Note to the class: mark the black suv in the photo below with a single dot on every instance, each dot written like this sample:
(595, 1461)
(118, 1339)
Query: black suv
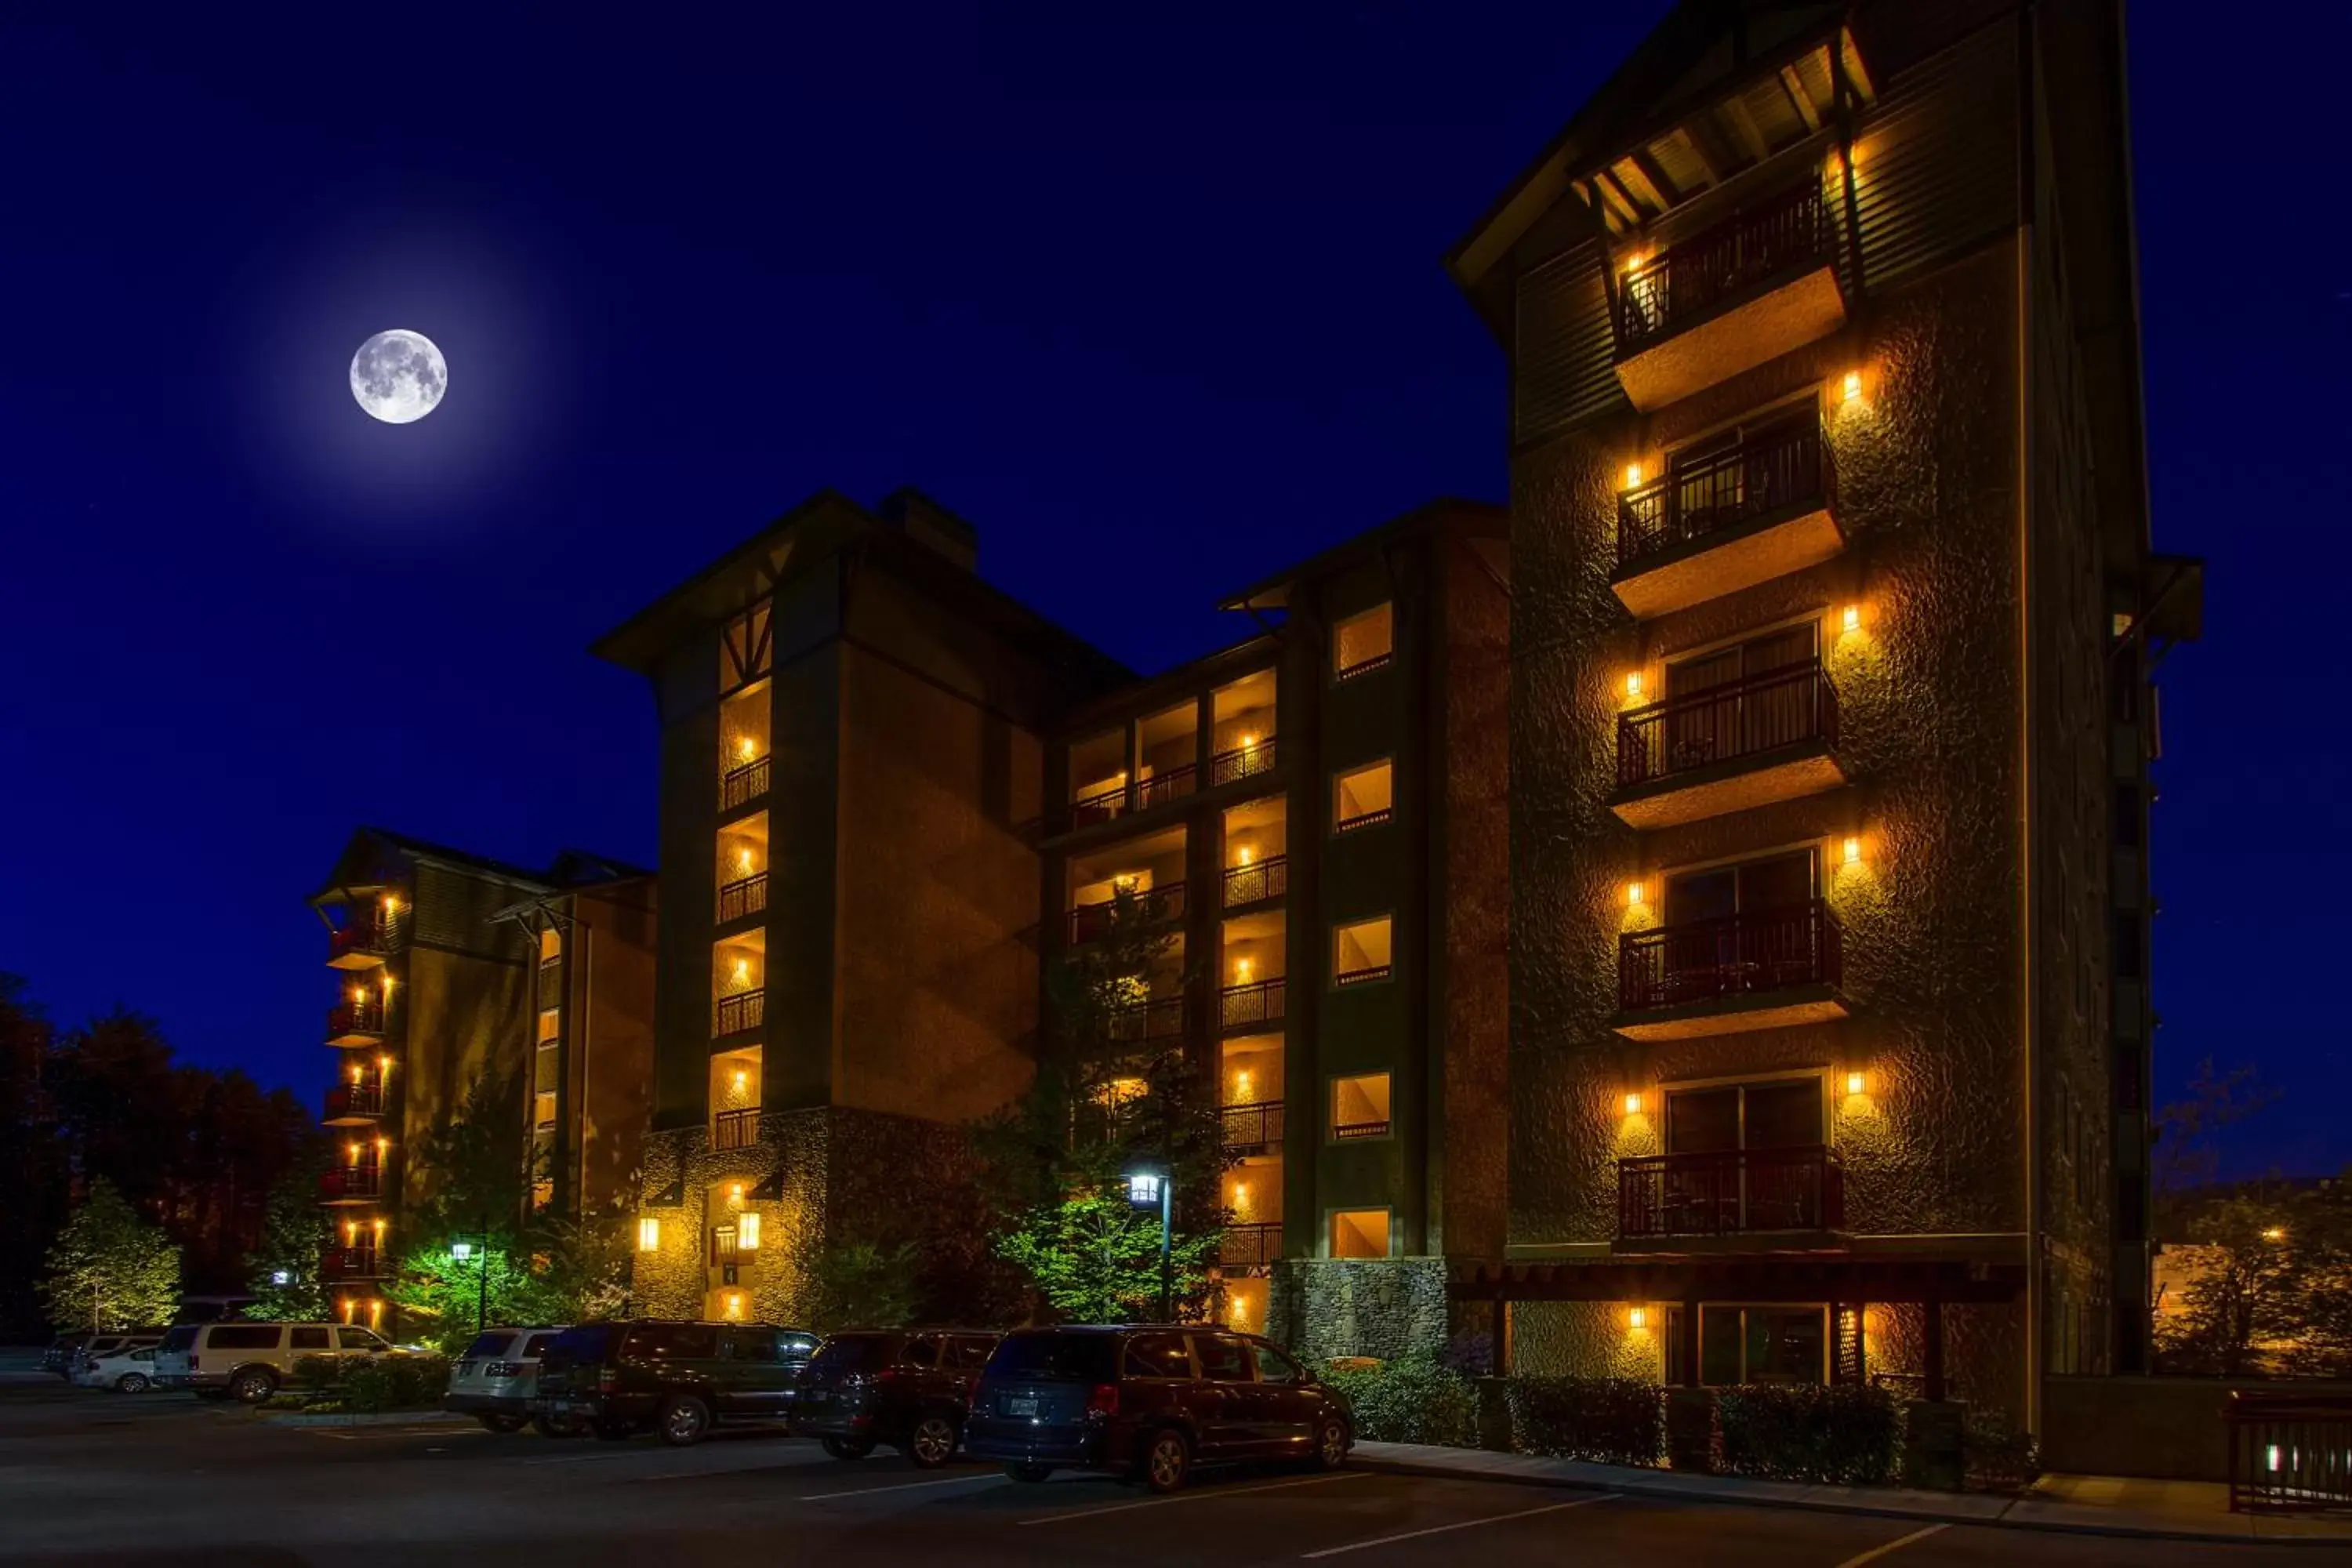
(1149, 1403)
(679, 1379)
(908, 1390)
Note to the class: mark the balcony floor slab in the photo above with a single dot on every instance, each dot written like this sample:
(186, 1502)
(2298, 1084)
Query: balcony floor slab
(1781, 314)
(1786, 773)
(1728, 560)
(1734, 1014)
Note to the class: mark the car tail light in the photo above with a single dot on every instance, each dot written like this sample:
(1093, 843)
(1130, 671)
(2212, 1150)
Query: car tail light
(503, 1369)
(191, 1363)
(1103, 1400)
(608, 1378)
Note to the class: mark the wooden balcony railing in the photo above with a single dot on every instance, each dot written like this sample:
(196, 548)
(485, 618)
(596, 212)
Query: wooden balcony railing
(355, 1019)
(1161, 1018)
(1167, 785)
(370, 937)
(339, 1263)
(1723, 723)
(2289, 1452)
(743, 1010)
(1730, 1193)
(744, 897)
(353, 1101)
(735, 1129)
(1253, 1126)
(1746, 954)
(1266, 879)
(1783, 467)
(1091, 922)
(747, 782)
(1258, 1002)
(1784, 235)
(345, 1182)
(1250, 1246)
(1242, 762)
(1102, 803)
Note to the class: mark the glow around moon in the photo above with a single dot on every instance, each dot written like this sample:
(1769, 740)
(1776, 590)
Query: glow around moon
(399, 376)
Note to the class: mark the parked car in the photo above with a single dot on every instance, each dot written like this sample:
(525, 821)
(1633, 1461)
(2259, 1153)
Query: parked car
(1149, 1403)
(127, 1369)
(496, 1379)
(679, 1379)
(908, 1390)
(58, 1357)
(99, 1346)
(248, 1360)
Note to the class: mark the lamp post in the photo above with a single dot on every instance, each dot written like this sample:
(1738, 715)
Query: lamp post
(1144, 1189)
(463, 1251)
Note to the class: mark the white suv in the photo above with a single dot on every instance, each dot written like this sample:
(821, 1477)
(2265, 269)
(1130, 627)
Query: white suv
(248, 1360)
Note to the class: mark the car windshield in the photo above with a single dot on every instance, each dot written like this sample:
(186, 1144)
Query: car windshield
(489, 1347)
(1055, 1358)
(182, 1337)
(853, 1353)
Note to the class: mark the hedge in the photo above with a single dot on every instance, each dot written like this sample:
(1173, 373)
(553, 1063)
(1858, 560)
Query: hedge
(1412, 1399)
(396, 1382)
(1607, 1420)
(1843, 1433)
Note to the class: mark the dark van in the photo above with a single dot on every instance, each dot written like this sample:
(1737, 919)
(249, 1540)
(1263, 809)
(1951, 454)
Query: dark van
(1149, 1403)
(908, 1390)
(677, 1379)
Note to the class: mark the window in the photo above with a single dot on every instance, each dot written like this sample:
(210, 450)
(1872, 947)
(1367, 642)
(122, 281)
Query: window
(970, 1353)
(1773, 882)
(674, 1341)
(2126, 816)
(923, 1351)
(1360, 951)
(752, 1344)
(486, 1347)
(359, 1340)
(1363, 643)
(1360, 1106)
(1223, 1360)
(1753, 1344)
(2127, 944)
(1362, 797)
(314, 1338)
(747, 1231)
(1158, 1355)
(239, 1337)
(1360, 1233)
(1785, 1115)
(1273, 1366)
(551, 1023)
(543, 1108)
(536, 1346)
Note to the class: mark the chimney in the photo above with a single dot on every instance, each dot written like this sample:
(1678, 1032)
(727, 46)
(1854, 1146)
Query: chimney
(916, 515)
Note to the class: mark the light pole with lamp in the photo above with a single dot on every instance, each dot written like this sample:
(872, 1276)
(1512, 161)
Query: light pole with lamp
(1146, 1187)
(464, 1250)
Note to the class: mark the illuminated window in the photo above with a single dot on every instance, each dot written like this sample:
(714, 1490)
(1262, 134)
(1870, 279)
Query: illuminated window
(1363, 643)
(551, 945)
(1360, 951)
(1360, 1233)
(551, 1023)
(747, 1231)
(1362, 797)
(649, 1234)
(543, 1108)
(1360, 1106)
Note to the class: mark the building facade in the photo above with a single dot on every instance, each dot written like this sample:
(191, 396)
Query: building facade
(1831, 720)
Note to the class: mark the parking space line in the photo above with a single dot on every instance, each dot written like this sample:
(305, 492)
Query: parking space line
(1876, 1552)
(1193, 1497)
(1461, 1524)
(902, 1487)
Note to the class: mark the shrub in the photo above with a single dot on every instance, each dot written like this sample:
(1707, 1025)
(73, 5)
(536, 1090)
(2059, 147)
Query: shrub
(1412, 1399)
(396, 1382)
(1609, 1420)
(316, 1372)
(1999, 1457)
(1843, 1433)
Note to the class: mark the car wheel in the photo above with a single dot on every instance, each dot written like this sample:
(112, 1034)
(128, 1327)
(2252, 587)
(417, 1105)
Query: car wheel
(252, 1386)
(1029, 1475)
(845, 1448)
(684, 1421)
(1167, 1459)
(501, 1424)
(132, 1382)
(615, 1431)
(933, 1441)
(556, 1426)
(1330, 1444)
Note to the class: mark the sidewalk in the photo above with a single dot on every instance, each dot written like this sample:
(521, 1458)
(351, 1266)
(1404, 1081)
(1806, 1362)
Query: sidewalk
(2085, 1505)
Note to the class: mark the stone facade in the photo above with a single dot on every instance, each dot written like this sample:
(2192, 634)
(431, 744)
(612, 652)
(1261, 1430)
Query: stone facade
(1384, 1307)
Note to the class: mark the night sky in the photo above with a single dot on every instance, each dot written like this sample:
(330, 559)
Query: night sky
(1153, 298)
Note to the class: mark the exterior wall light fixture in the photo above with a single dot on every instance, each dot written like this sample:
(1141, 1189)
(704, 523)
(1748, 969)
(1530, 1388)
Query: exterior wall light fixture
(649, 1234)
(1633, 895)
(1637, 1318)
(1850, 390)
(1852, 850)
(1633, 475)
(1634, 1103)
(1851, 620)
(1855, 1083)
(1633, 685)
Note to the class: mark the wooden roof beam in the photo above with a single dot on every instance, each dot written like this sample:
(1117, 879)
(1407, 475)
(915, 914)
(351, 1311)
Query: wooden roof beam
(1793, 86)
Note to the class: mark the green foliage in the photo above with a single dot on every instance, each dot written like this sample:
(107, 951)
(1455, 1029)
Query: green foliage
(1606, 1420)
(1413, 1399)
(396, 1383)
(316, 1372)
(445, 1299)
(2250, 1257)
(1999, 1457)
(111, 1270)
(294, 1236)
(1845, 1433)
(482, 1174)
(1096, 1260)
(866, 1285)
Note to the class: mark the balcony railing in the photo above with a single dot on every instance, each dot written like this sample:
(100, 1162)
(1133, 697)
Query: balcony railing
(1091, 922)
(1266, 879)
(1250, 1246)
(1730, 1193)
(2289, 1452)
(1780, 468)
(1242, 762)
(352, 1263)
(1364, 665)
(1257, 1001)
(353, 1102)
(1098, 804)
(1363, 977)
(1169, 783)
(747, 782)
(743, 1010)
(550, 978)
(1723, 723)
(735, 1129)
(1784, 235)
(361, 943)
(1746, 954)
(1347, 1131)
(744, 897)
(1253, 1126)
(347, 1184)
(1161, 1018)
(354, 1021)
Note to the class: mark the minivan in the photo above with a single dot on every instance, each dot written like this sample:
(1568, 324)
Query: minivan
(908, 1390)
(679, 1379)
(1149, 1403)
(246, 1361)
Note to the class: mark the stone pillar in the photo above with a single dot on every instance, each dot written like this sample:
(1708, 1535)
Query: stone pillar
(1692, 1443)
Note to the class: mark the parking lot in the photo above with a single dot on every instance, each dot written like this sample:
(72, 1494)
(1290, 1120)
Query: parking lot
(160, 1478)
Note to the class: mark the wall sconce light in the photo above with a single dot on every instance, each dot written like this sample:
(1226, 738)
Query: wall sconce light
(747, 748)
(2275, 1233)
(1633, 684)
(1249, 743)
(379, 1228)
(1633, 475)
(1242, 1084)
(1852, 618)
(1633, 895)
(392, 903)
(353, 1149)
(1634, 1103)
(384, 1067)
(387, 988)
(742, 1079)
(743, 860)
(1635, 262)
(734, 1304)
(1853, 851)
(1244, 856)
(742, 969)
(1242, 967)
(1850, 390)
(735, 1194)
(381, 1144)
(649, 1234)
(1637, 1318)
(356, 1076)
(1856, 1083)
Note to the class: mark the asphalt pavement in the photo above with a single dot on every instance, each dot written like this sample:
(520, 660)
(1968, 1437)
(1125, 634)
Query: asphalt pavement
(139, 1480)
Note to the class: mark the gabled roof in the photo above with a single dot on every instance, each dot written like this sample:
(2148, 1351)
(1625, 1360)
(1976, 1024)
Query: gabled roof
(364, 863)
(1475, 517)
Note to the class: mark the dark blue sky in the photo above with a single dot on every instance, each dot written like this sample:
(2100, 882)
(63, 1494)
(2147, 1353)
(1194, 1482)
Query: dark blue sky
(1100, 281)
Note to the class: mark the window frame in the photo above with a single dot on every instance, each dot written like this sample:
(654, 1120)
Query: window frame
(1383, 974)
(1331, 1230)
(1343, 825)
(1343, 673)
(1331, 1123)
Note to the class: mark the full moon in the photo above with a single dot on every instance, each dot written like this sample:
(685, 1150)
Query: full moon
(399, 376)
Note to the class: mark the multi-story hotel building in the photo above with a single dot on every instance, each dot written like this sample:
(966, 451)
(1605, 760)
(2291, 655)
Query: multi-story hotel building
(1316, 817)
(454, 971)
(1831, 720)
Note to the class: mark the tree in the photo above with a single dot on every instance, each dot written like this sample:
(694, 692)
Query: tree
(866, 1285)
(283, 1272)
(110, 1268)
(1095, 1259)
(34, 1170)
(2243, 1298)
(2187, 1155)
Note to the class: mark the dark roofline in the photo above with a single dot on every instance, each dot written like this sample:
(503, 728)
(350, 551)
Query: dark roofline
(1479, 517)
(639, 641)
(543, 882)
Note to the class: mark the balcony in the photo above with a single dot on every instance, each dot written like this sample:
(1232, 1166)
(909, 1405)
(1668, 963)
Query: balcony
(1161, 1018)
(550, 978)
(1746, 742)
(1257, 881)
(1171, 784)
(1349, 1131)
(1092, 922)
(1249, 1247)
(734, 1013)
(1252, 1126)
(1729, 520)
(742, 784)
(1735, 1192)
(735, 1129)
(743, 898)
(353, 1104)
(1098, 804)
(355, 1023)
(339, 1264)
(1241, 763)
(1761, 969)
(352, 1184)
(1753, 287)
(1254, 1002)
(363, 945)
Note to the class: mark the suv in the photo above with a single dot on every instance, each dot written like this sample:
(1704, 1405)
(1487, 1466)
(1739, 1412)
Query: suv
(1150, 1403)
(908, 1390)
(494, 1381)
(679, 1379)
(246, 1361)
